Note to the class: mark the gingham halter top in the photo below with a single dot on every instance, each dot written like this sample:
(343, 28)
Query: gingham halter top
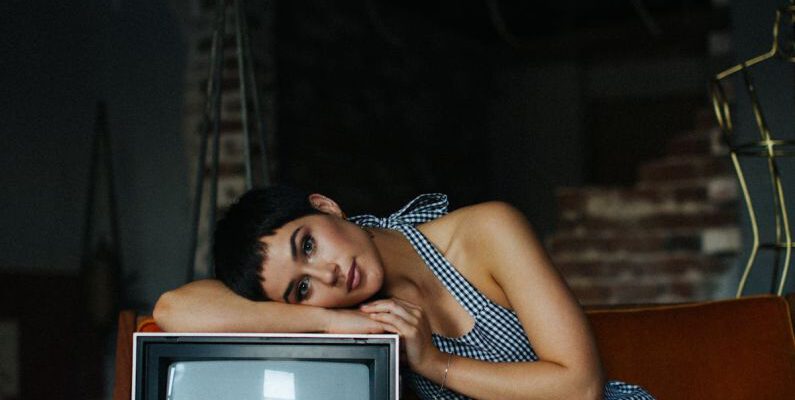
(497, 335)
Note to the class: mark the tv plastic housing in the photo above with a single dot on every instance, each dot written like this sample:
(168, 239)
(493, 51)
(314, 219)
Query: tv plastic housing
(241, 366)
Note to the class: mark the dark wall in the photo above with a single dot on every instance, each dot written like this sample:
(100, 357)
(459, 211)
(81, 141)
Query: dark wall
(376, 116)
(379, 102)
(59, 59)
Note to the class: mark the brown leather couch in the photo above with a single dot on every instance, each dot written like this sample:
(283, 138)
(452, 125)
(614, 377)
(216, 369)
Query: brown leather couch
(729, 349)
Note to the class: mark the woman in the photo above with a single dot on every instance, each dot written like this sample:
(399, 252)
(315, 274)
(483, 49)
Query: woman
(467, 292)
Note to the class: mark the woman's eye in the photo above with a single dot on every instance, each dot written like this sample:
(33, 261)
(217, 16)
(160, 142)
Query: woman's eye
(308, 246)
(303, 289)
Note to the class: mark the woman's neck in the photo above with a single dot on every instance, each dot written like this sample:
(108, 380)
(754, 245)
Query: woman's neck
(402, 266)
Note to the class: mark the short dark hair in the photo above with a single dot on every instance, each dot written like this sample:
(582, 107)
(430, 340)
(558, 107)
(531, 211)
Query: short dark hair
(238, 252)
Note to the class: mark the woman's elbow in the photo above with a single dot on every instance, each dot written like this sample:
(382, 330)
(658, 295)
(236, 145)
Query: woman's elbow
(592, 392)
(590, 387)
(163, 310)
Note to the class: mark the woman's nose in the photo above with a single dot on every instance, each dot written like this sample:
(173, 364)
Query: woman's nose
(328, 273)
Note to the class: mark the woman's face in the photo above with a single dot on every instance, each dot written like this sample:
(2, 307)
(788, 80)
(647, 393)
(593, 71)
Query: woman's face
(321, 260)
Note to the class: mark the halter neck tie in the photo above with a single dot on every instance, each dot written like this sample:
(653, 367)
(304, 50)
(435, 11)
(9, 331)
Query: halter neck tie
(423, 208)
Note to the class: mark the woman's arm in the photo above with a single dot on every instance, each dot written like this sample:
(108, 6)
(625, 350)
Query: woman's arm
(209, 306)
(498, 238)
(543, 379)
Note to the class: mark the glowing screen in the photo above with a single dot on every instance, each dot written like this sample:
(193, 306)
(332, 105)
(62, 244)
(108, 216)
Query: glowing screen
(268, 380)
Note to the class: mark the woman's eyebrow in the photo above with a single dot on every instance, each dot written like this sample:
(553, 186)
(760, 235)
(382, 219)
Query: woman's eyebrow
(294, 253)
(293, 250)
(286, 295)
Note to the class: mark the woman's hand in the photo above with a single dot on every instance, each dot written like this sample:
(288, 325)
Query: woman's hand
(409, 321)
(209, 306)
(352, 321)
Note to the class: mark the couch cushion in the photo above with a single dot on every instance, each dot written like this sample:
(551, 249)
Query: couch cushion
(731, 349)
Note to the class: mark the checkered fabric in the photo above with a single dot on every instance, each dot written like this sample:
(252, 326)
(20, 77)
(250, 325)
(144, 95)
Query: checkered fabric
(497, 335)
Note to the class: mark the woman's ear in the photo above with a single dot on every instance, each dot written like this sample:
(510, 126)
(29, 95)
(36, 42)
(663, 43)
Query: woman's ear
(325, 205)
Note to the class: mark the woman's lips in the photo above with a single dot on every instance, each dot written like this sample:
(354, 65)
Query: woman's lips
(354, 277)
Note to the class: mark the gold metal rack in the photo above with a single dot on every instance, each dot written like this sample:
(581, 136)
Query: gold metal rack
(768, 147)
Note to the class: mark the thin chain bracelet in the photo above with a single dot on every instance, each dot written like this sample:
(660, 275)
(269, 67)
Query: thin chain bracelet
(444, 379)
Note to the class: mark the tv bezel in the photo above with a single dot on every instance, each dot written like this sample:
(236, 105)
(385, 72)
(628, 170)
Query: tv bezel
(149, 348)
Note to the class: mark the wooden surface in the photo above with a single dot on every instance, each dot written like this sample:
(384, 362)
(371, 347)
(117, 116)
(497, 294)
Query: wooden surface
(60, 354)
(122, 389)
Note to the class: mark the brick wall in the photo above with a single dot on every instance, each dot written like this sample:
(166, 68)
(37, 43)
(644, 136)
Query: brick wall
(673, 236)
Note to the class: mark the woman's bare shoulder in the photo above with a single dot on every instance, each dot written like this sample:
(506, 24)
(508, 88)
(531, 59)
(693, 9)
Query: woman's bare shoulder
(473, 223)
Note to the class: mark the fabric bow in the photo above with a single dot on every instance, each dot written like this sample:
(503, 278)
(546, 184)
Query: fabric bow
(423, 208)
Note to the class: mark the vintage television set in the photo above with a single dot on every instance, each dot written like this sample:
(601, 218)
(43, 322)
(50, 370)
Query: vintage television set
(199, 366)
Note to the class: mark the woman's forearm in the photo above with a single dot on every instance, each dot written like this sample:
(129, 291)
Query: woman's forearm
(516, 380)
(209, 306)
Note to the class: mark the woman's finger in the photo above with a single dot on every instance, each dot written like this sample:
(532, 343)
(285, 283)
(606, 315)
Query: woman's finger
(393, 307)
(376, 303)
(388, 303)
(406, 303)
(401, 325)
(410, 307)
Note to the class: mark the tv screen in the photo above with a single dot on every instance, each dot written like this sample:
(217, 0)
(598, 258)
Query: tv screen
(264, 367)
